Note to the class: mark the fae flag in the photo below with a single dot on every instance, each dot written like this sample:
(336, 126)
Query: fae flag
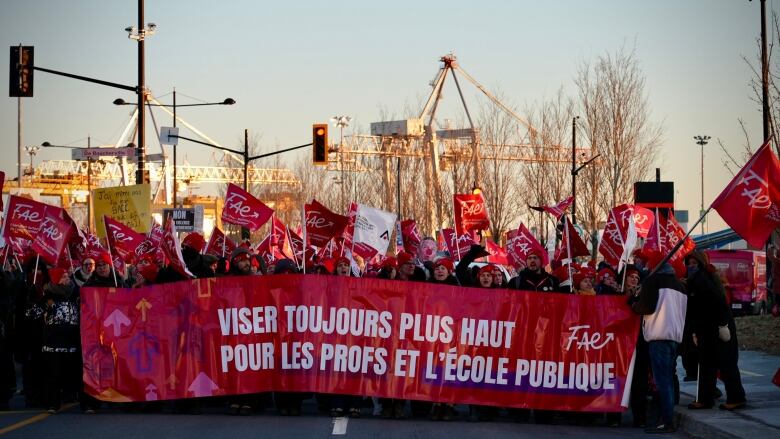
(172, 248)
(750, 204)
(556, 210)
(572, 244)
(24, 218)
(122, 240)
(470, 213)
(519, 244)
(219, 245)
(243, 209)
(54, 234)
(322, 224)
(457, 245)
(410, 236)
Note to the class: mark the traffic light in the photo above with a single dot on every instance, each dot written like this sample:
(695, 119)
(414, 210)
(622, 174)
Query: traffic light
(20, 72)
(320, 143)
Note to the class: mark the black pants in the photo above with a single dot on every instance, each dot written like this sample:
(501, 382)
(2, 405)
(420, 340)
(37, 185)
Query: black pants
(716, 355)
(62, 374)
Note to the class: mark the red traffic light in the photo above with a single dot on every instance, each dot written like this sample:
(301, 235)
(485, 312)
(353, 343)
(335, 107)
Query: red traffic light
(320, 143)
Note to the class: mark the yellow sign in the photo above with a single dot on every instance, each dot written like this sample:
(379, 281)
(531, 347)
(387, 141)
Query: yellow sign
(130, 205)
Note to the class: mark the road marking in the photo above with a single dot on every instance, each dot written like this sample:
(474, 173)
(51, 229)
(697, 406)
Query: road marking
(340, 426)
(750, 374)
(32, 420)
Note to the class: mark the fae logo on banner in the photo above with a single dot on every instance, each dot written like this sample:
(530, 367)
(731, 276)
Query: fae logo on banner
(130, 205)
(359, 336)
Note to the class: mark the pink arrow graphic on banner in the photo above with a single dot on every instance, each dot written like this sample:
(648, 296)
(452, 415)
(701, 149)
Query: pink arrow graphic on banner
(116, 318)
(202, 386)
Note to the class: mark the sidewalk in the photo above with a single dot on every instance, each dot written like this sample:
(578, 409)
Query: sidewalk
(761, 418)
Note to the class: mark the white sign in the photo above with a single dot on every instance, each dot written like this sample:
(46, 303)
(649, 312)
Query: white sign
(169, 135)
(94, 153)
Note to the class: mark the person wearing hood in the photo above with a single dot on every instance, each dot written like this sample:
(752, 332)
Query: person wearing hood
(662, 303)
(714, 334)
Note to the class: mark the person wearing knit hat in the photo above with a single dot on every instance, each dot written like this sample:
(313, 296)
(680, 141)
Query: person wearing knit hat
(84, 271)
(583, 282)
(388, 269)
(194, 241)
(104, 274)
(343, 267)
(443, 269)
(56, 274)
(533, 277)
(407, 269)
(240, 262)
(499, 281)
(485, 276)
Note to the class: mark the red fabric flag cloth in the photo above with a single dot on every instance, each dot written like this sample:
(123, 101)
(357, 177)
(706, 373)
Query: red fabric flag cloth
(410, 236)
(243, 209)
(93, 247)
(750, 204)
(52, 237)
(123, 240)
(519, 244)
(219, 245)
(556, 210)
(24, 218)
(322, 224)
(572, 244)
(615, 236)
(278, 233)
(457, 245)
(172, 248)
(664, 234)
(497, 254)
(470, 213)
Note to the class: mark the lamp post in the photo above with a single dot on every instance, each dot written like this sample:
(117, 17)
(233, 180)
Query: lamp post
(341, 122)
(227, 101)
(32, 150)
(701, 141)
(576, 169)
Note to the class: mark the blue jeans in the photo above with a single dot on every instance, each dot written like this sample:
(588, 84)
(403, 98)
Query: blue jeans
(663, 361)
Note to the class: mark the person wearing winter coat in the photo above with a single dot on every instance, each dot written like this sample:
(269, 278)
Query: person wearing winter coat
(533, 277)
(714, 334)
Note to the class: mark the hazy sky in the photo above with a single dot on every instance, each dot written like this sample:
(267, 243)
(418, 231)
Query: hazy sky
(289, 64)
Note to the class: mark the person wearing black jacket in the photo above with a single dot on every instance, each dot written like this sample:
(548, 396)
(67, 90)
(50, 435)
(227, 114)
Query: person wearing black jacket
(714, 333)
(463, 271)
(533, 277)
(105, 275)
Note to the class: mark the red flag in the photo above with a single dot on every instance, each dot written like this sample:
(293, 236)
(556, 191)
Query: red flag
(172, 248)
(54, 234)
(750, 204)
(572, 244)
(123, 240)
(457, 245)
(243, 209)
(24, 218)
(664, 234)
(410, 236)
(616, 232)
(470, 213)
(556, 210)
(497, 254)
(349, 231)
(519, 244)
(322, 224)
(19, 245)
(219, 245)
(278, 233)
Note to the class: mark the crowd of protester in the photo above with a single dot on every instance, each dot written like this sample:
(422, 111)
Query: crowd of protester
(39, 327)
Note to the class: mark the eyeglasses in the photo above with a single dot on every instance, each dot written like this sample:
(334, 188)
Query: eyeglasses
(88, 264)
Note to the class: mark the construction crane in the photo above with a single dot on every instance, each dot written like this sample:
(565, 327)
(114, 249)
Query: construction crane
(444, 148)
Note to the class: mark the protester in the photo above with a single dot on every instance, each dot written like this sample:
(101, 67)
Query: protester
(714, 334)
(287, 403)
(606, 281)
(104, 274)
(583, 282)
(84, 271)
(443, 269)
(662, 302)
(533, 277)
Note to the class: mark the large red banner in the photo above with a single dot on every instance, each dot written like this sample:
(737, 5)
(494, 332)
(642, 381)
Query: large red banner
(361, 336)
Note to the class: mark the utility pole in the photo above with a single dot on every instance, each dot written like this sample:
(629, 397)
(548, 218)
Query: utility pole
(244, 230)
(574, 169)
(701, 141)
(764, 73)
(139, 175)
(174, 150)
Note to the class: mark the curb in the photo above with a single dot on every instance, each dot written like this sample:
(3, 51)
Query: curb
(721, 424)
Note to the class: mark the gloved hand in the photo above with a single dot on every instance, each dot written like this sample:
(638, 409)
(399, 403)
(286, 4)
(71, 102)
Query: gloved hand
(723, 333)
(695, 340)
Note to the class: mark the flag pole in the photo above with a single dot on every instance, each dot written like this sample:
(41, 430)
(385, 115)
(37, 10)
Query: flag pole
(305, 242)
(568, 253)
(35, 270)
(110, 255)
(680, 242)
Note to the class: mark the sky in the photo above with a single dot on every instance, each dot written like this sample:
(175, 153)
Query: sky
(291, 64)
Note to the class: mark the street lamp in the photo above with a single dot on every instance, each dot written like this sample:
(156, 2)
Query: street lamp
(341, 122)
(32, 150)
(701, 141)
(227, 101)
(576, 169)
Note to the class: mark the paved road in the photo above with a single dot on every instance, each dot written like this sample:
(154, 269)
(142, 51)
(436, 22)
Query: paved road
(214, 422)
